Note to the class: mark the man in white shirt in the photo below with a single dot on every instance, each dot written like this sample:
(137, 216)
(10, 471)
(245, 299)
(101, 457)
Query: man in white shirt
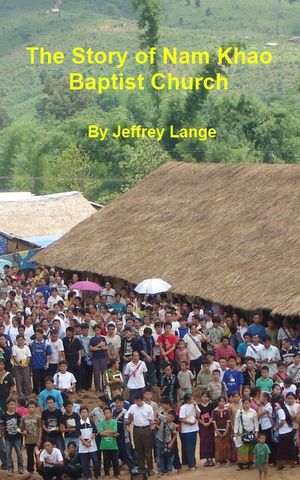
(142, 416)
(134, 372)
(57, 354)
(268, 356)
(21, 355)
(54, 298)
(254, 348)
(49, 461)
(64, 380)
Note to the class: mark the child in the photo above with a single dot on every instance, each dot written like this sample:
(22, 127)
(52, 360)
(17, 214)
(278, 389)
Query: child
(169, 384)
(49, 461)
(72, 466)
(12, 436)
(88, 451)
(31, 428)
(108, 429)
(166, 435)
(185, 379)
(22, 409)
(281, 374)
(181, 354)
(265, 382)
(222, 422)
(126, 450)
(289, 387)
(64, 381)
(51, 418)
(69, 424)
(216, 388)
(261, 456)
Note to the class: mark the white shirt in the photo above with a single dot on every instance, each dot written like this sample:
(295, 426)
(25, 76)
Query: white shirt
(250, 421)
(265, 354)
(53, 300)
(253, 350)
(265, 421)
(142, 416)
(64, 380)
(215, 366)
(54, 456)
(56, 348)
(188, 412)
(193, 345)
(291, 389)
(135, 373)
(285, 427)
(86, 431)
(21, 354)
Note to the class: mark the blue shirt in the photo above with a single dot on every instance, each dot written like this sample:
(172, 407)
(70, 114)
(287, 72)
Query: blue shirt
(46, 291)
(44, 394)
(182, 331)
(257, 330)
(241, 349)
(39, 352)
(233, 380)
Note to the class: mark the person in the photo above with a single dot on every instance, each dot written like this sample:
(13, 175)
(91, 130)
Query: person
(128, 346)
(222, 422)
(88, 452)
(21, 357)
(72, 466)
(194, 347)
(268, 356)
(256, 328)
(224, 350)
(287, 352)
(169, 384)
(167, 342)
(265, 382)
(51, 419)
(246, 422)
(284, 426)
(293, 370)
(50, 391)
(189, 414)
(97, 414)
(108, 429)
(134, 374)
(206, 430)
(145, 346)
(12, 436)
(185, 379)
(265, 419)
(31, 429)
(113, 377)
(86, 372)
(99, 356)
(261, 456)
(73, 353)
(113, 341)
(40, 354)
(233, 378)
(254, 347)
(7, 385)
(126, 451)
(165, 438)
(204, 377)
(69, 424)
(181, 354)
(58, 352)
(252, 373)
(64, 380)
(49, 461)
(242, 347)
(142, 417)
(216, 388)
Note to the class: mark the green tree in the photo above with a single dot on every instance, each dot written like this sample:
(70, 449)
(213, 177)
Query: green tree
(8, 153)
(72, 171)
(4, 118)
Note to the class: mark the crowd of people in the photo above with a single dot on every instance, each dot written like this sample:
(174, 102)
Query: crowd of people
(166, 373)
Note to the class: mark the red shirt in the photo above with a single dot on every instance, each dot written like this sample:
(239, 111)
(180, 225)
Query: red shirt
(167, 342)
(225, 352)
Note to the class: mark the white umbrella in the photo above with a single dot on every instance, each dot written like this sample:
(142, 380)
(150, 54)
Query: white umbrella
(152, 286)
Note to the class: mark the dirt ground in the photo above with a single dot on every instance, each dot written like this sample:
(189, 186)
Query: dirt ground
(224, 473)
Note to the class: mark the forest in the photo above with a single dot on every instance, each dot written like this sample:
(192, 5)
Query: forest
(44, 147)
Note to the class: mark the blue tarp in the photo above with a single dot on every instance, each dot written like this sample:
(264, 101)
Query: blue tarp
(44, 241)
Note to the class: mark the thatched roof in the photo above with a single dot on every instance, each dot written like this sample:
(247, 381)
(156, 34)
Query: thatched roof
(226, 233)
(43, 216)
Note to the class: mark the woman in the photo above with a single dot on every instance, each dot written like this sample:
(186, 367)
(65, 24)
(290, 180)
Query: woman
(246, 423)
(266, 421)
(188, 416)
(222, 423)
(255, 398)
(206, 431)
(233, 407)
(284, 427)
(193, 344)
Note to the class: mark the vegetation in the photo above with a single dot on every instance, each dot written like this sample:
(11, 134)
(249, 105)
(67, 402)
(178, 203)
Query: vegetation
(43, 142)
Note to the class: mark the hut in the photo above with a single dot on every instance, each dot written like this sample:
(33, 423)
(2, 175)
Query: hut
(226, 233)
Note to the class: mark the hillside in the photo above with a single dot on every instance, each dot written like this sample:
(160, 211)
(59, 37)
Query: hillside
(111, 24)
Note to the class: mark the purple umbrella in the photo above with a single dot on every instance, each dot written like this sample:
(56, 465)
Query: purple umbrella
(87, 286)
